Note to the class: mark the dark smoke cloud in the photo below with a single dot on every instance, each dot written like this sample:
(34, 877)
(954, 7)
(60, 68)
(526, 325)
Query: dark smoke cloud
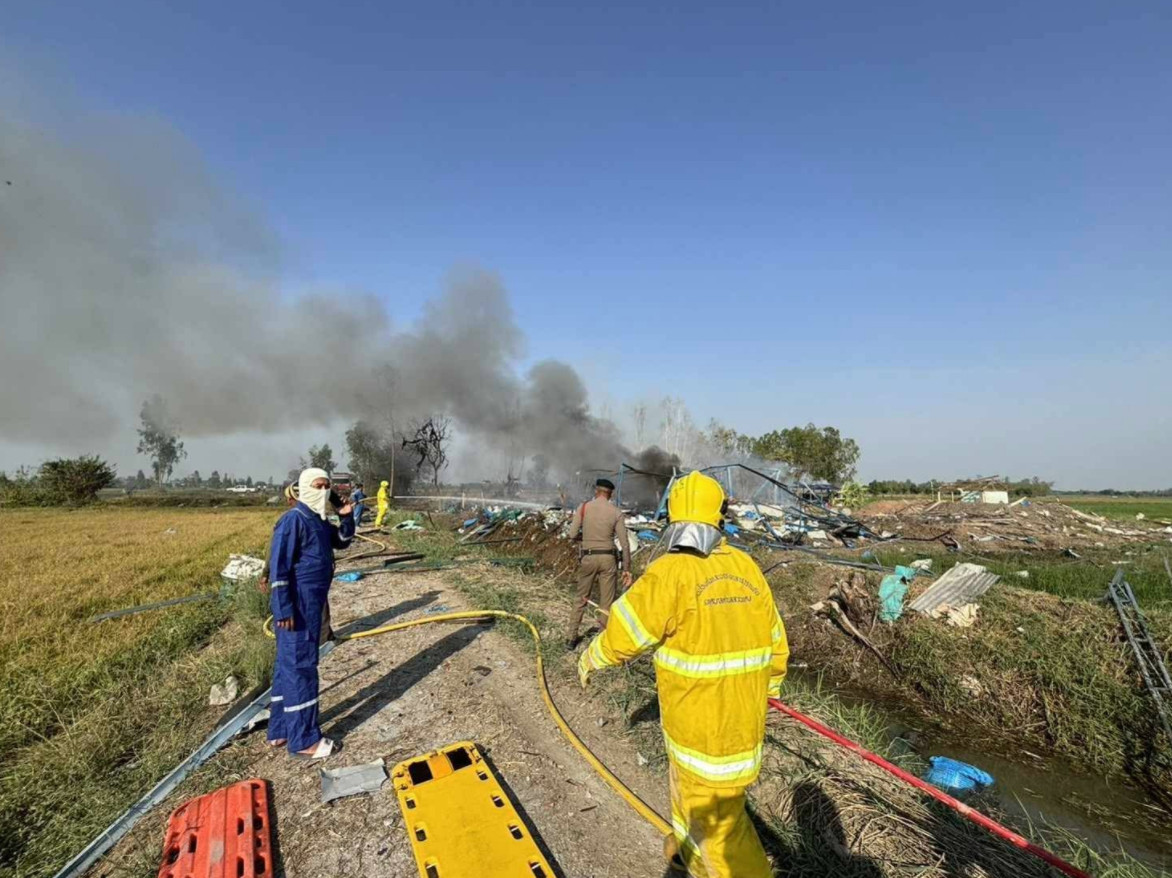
(126, 272)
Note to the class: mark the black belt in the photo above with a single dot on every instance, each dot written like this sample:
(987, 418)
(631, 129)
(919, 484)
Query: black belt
(600, 552)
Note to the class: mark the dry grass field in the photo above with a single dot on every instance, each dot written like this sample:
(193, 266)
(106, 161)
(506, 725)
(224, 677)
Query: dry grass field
(91, 714)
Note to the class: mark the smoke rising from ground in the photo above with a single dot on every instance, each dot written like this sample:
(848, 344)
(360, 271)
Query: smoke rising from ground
(126, 272)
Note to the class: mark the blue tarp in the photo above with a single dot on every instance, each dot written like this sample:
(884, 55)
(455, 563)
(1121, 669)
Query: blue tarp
(956, 776)
(893, 592)
(349, 576)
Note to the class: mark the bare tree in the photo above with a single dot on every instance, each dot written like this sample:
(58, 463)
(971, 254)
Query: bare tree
(639, 413)
(678, 429)
(429, 444)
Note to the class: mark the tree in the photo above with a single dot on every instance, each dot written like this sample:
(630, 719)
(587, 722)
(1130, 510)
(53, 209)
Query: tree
(158, 438)
(429, 444)
(539, 471)
(322, 457)
(214, 480)
(811, 452)
(75, 480)
(140, 480)
(639, 416)
(196, 480)
(371, 453)
(248, 482)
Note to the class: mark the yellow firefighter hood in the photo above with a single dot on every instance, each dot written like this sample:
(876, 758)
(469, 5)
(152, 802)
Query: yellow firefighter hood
(696, 497)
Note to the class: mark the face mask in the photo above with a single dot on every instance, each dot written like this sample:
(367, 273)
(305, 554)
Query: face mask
(317, 499)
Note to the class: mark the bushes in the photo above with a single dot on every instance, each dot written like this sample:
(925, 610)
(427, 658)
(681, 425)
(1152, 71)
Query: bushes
(74, 480)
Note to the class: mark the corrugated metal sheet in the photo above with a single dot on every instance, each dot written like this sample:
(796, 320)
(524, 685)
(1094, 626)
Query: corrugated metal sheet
(961, 585)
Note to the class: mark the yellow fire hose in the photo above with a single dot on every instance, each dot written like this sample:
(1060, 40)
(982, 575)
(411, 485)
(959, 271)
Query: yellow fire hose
(641, 807)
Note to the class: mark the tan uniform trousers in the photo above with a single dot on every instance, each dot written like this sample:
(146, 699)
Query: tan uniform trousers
(604, 570)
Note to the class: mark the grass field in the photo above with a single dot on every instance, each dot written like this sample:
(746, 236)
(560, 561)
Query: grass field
(92, 714)
(1123, 507)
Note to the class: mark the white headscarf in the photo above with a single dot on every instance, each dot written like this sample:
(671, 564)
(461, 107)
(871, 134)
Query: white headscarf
(317, 499)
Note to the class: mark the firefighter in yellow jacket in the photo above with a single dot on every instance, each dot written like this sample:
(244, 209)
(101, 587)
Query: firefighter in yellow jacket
(384, 502)
(720, 650)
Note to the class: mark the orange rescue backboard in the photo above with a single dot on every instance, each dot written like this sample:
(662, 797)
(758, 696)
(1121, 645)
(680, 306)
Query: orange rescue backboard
(224, 834)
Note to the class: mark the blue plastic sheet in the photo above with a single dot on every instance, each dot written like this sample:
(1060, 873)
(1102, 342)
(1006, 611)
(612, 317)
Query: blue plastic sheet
(893, 592)
(648, 535)
(956, 776)
(349, 576)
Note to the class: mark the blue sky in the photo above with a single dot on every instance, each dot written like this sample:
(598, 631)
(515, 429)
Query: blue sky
(947, 231)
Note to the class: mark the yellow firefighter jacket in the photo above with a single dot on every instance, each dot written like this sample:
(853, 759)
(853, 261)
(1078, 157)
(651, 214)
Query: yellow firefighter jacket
(720, 649)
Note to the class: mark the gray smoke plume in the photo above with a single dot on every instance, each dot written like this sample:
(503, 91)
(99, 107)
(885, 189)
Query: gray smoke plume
(126, 272)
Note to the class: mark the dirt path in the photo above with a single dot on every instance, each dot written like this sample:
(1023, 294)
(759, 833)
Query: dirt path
(402, 694)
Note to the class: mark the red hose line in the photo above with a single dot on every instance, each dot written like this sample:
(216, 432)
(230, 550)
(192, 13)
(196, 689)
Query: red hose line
(956, 805)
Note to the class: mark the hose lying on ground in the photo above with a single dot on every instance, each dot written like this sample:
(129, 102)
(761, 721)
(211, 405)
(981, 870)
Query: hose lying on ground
(959, 807)
(642, 808)
(646, 812)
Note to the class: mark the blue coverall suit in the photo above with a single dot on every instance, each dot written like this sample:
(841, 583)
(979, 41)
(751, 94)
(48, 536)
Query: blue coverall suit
(301, 564)
(356, 498)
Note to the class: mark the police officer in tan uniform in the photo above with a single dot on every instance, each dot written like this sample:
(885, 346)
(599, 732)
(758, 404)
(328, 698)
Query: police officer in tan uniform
(598, 523)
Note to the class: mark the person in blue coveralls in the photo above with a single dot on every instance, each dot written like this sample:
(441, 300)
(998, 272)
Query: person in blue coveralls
(301, 567)
(356, 498)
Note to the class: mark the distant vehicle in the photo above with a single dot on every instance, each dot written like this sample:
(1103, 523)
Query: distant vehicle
(239, 489)
(342, 482)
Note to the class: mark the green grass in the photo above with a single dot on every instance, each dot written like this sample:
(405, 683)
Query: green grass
(1123, 507)
(1085, 578)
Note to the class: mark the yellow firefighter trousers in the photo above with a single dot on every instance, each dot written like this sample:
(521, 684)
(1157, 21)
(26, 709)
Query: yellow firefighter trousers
(382, 512)
(715, 836)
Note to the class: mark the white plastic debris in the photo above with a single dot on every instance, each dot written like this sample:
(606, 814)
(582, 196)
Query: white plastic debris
(224, 693)
(1024, 574)
(924, 564)
(353, 780)
(962, 617)
(971, 686)
(242, 568)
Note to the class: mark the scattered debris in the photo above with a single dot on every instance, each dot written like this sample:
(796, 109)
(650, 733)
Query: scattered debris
(641, 759)
(971, 686)
(157, 605)
(242, 568)
(923, 565)
(349, 576)
(847, 599)
(260, 719)
(958, 617)
(956, 776)
(224, 693)
(957, 587)
(1148, 654)
(892, 592)
(353, 780)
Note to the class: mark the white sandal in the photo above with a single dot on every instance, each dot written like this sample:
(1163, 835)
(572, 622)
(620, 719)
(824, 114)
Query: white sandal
(324, 748)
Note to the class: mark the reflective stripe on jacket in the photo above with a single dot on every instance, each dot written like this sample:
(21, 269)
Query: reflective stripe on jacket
(720, 650)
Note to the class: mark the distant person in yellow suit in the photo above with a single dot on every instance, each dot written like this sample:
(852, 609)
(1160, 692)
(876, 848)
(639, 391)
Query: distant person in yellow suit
(720, 650)
(384, 502)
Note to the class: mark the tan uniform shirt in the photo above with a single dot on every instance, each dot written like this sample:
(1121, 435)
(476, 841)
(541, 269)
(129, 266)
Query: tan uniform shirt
(601, 523)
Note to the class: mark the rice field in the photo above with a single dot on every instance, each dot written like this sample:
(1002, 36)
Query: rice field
(91, 714)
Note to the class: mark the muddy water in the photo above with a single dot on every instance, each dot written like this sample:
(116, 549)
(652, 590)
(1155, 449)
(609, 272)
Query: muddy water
(1106, 813)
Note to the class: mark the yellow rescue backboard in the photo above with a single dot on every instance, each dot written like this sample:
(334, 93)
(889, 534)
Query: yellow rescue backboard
(459, 820)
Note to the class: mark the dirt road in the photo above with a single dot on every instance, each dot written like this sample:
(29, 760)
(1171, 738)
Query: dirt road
(402, 694)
